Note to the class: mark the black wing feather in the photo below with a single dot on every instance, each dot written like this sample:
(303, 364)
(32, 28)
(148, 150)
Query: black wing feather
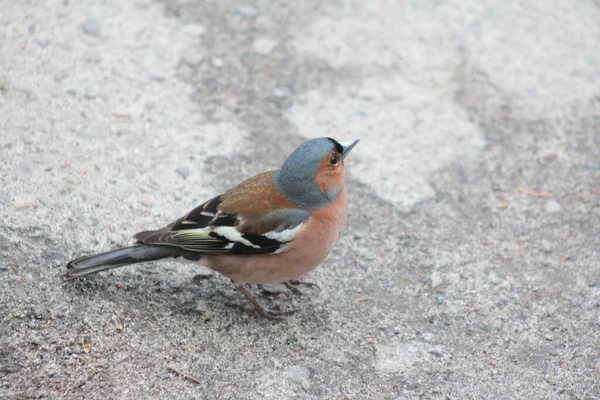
(196, 231)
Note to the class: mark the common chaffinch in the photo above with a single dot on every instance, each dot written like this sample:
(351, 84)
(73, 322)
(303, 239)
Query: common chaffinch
(270, 228)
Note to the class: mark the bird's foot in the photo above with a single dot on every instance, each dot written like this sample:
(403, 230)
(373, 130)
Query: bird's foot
(275, 314)
(265, 312)
(291, 284)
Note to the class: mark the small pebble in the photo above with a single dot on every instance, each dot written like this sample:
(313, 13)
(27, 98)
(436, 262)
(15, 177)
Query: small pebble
(201, 306)
(247, 11)
(91, 26)
(264, 45)
(37, 313)
(279, 93)
(549, 337)
(37, 233)
(231, 104)
(552, 206)
(193, 29)
(147, 203)
(297, 373)
(208, 315)
(428, 337)
(436, 281)
(546, 246)
(229, 294)
(20, 204)
(116, 238)
(217, 62)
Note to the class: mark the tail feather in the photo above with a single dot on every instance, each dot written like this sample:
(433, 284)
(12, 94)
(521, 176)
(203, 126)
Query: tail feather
(118, 258)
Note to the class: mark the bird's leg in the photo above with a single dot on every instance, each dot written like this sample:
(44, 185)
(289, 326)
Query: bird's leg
(265, 312)
(291, 284)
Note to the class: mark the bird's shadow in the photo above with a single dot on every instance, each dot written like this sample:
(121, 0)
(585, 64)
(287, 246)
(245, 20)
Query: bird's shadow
(204, 296)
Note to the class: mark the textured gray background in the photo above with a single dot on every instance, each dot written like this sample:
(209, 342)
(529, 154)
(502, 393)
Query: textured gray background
(119, 116)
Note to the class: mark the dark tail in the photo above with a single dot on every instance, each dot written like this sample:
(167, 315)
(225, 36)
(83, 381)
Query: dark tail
(118, 258)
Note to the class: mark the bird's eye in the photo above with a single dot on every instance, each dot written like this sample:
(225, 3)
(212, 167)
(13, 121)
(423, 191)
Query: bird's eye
(334, 160)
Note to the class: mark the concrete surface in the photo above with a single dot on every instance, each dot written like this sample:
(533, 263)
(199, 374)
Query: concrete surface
(470, 266)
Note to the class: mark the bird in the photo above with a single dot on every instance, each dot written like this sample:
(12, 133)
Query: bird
(271, 228)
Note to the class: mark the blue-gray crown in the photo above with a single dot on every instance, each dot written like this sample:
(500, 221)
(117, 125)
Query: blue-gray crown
(296, 177)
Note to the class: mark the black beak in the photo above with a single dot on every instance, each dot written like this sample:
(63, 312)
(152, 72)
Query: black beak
(347, 145)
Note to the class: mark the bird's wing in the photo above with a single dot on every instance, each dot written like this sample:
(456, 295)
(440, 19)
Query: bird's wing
(248, 219)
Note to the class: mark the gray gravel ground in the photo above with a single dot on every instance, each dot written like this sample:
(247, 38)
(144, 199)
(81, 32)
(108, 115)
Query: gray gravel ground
(470, 266)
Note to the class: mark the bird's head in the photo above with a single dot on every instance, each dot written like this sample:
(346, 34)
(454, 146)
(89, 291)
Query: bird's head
(313, 175)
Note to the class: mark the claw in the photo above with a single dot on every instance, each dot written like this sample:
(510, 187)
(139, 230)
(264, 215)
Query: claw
(292, 282)
(293, 288)
(274, 314)
(265, 312)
